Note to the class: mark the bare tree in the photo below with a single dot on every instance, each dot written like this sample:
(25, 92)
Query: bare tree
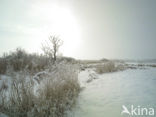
(52, 46)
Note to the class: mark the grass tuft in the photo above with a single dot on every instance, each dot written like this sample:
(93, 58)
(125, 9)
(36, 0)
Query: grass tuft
(108, 67)
(56, 93)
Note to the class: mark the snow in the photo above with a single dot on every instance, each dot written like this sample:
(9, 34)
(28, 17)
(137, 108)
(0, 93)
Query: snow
(3, 115)
(87, 76)
(104, 96)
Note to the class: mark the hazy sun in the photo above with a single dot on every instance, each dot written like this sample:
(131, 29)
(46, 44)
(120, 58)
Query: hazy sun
(57, 20)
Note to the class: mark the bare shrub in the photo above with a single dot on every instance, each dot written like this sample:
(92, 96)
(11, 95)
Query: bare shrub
(20, 60)
(107, 67)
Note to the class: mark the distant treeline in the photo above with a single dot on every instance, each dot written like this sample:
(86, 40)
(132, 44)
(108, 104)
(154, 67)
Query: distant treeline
(21, 60)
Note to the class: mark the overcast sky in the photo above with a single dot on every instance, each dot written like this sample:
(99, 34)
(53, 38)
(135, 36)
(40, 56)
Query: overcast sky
(90, 29)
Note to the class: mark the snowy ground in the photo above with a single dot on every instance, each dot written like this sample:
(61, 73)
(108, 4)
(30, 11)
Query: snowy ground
(104, 95)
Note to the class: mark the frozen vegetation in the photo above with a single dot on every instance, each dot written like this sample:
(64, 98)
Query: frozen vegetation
(32, 86)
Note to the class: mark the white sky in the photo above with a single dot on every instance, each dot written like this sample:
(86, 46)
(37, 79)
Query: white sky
(90, 29)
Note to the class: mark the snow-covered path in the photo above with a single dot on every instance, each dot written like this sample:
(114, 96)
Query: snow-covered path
(104, 96)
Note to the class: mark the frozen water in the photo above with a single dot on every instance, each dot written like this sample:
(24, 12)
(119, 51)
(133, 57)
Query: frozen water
(105, 96)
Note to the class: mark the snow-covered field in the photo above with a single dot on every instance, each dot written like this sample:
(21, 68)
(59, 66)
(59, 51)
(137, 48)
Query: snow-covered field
(106, 93)
(102, 95)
